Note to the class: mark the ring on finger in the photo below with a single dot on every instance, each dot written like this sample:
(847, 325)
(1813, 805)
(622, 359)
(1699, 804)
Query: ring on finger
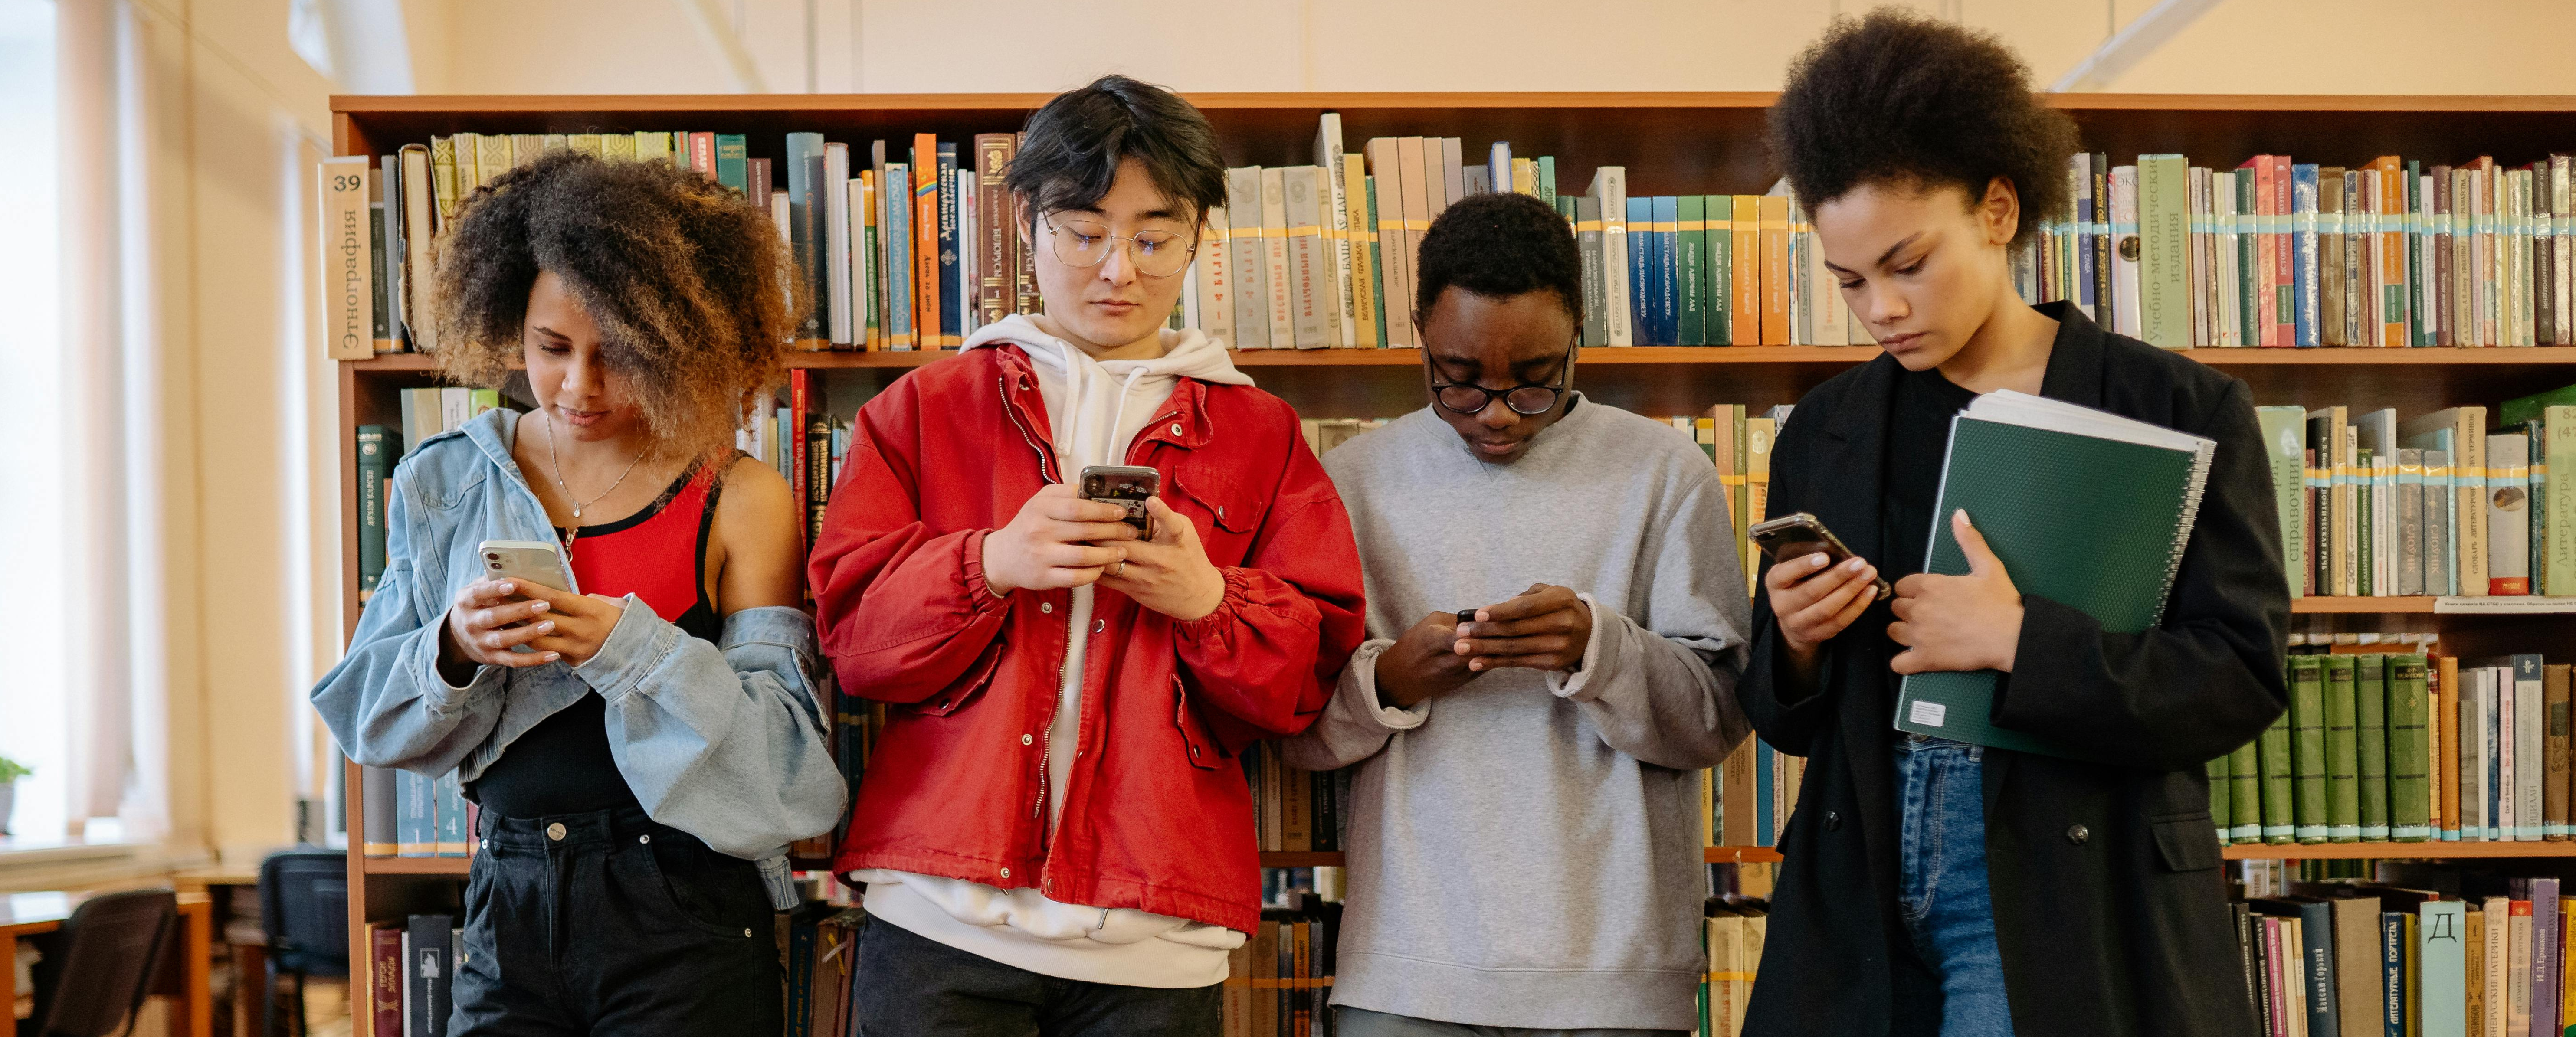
(1122, 567)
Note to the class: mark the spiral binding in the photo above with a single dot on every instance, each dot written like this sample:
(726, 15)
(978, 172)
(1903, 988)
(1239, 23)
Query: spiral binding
(2182, 531)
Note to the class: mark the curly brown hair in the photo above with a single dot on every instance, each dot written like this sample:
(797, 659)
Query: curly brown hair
(1898, 97)
(686, 281)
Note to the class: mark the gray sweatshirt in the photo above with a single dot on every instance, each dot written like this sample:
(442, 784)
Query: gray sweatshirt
(1525, 851)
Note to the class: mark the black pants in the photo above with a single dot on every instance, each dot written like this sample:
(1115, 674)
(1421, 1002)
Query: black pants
(608, 923)
(911, 986)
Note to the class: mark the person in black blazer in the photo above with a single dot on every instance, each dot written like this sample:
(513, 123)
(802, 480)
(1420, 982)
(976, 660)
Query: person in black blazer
(1930, 886)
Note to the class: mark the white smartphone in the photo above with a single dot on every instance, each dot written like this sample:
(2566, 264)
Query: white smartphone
(532, 561)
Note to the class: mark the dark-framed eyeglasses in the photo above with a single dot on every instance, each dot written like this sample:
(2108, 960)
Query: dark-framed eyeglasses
(1527, 398)
(1157, 252)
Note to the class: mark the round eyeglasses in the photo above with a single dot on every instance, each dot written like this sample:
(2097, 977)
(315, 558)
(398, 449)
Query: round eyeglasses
(1526, 399)
(1087, 243)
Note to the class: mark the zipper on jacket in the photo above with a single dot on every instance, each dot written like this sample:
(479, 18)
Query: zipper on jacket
(1046, 752)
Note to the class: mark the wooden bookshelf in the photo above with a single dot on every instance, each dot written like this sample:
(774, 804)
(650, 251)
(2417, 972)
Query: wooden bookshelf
(2428, 851)
(1670, 143)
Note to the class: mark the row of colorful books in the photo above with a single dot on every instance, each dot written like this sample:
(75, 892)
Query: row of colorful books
(2440, 504)
(1295, 811)
(409, 976)
(2344, 957)
(1280, 982)
(2387, 252)
(2386, 743)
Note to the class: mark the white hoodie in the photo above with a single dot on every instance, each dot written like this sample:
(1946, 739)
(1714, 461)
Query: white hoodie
(1094, 410)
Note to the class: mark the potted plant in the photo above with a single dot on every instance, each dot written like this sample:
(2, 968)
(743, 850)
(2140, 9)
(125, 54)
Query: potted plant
(10, 772)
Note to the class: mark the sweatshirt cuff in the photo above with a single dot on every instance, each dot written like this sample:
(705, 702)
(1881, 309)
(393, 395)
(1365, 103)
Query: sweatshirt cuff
(1360, 681)
(634, 647)
(1574, 685)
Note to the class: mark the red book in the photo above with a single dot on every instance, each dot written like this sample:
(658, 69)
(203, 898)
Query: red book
(925, 241)
(798, 407)
(702, 154)
(2284, 310)
(385, 979)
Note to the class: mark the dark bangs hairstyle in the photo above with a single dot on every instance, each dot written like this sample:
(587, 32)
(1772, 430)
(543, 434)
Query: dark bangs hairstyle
(1898, 98)
(1073, 146)
(682, 275)
(1500, 245)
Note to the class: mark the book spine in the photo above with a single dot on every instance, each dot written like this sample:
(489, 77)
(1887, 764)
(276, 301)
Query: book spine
(2169, 307)
(1718, 269)
(1774, 270)
(895, 194)
(350, 274)
(1690, 274)
(926, 326)
(1309, 261)
(1359, 240)
(997, 234)
(841, 317)
(2370, 700)
(807, 244)
(1249, 258)
(1282, 289)
(1641, 249)
(2123, 231)
(1213, 279)
(1333, 193)
(1596, 297)
(2308, 746)
(1377, 252)
(1610, 188)
(2342, 760)
(952, 316)
(2409, 712)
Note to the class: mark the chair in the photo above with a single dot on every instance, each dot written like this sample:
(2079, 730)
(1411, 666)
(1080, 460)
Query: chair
(304, 912)
(96, 969)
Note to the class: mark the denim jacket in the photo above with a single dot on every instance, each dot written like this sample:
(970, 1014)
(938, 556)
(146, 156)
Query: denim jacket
(722, 741)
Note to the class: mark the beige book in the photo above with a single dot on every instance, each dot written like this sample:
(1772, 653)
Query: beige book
(349, 267)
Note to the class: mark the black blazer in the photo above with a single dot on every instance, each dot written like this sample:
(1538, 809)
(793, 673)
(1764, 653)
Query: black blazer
(2109, 905)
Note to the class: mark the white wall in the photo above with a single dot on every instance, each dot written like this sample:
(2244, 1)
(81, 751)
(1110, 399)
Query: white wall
(2239, 46)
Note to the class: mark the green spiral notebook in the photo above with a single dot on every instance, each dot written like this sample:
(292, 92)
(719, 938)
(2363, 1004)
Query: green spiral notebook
(2085, 508)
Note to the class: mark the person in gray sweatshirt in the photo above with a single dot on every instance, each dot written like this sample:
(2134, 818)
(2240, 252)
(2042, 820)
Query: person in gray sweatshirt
(1556, 623)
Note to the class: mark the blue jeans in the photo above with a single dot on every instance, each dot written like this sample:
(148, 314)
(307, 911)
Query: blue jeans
(1942, 882)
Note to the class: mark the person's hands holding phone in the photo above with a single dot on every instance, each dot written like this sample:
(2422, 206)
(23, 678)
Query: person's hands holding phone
(1423, 663)
(576, 624)
(1169, 573)
(1057, 540)
(1545, 628)
(487, 620)
(1814, 599)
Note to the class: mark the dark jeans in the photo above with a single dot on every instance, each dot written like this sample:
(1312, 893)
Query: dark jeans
(609, 923)
(912, 986)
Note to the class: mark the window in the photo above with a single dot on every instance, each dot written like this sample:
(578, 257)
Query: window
(35, 720)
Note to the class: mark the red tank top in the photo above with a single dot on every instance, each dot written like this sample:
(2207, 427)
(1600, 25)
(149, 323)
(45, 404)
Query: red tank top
(657, 554)
(563, 765)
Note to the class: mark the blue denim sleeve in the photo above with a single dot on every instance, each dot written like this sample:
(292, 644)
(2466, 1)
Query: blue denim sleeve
(723, 741)
(386, 702)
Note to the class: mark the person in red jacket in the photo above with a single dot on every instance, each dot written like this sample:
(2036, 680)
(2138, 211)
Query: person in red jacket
(1054, 830)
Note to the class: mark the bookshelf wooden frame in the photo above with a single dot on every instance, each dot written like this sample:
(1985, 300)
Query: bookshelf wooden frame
(1669, 142)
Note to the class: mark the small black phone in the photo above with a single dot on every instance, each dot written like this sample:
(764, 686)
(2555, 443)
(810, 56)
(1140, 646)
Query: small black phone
(1799, 535)
(1128, 486)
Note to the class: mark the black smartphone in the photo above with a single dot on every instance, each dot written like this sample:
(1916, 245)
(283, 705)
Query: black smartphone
(1799, 535)
(1128, 486)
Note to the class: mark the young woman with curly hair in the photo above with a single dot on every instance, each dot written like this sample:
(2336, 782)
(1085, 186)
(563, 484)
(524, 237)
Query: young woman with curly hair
(1931, 886)
(645, 743)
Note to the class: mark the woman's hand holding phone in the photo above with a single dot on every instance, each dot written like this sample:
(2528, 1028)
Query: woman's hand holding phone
(1057, 540)
(1814, 600)
(486, 621)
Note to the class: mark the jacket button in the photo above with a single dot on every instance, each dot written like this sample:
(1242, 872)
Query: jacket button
(1027, 739)
(1006, 873)
(1099, 625)
(1176, 428)
(1046, 607)
(555, 831)
(1833, 820)
(2077, 834)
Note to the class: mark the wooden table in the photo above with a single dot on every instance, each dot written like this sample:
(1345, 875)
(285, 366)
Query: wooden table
(249, 960)
(34, 914)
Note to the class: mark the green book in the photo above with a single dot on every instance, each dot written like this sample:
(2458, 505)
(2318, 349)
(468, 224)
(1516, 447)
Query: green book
(1690, 278)
(2308, 746)
(2245, 792)
(2370, 702)
(2343, 751)
(2221, 810)
(2272, 750)
(1377, 262)
(2410, 710)
(1547, 179)
(2164, 244)
(2285, 431)
(733, 162)
(2085, 508)
(376, 446)
(2517, 411)
(1718, 323)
